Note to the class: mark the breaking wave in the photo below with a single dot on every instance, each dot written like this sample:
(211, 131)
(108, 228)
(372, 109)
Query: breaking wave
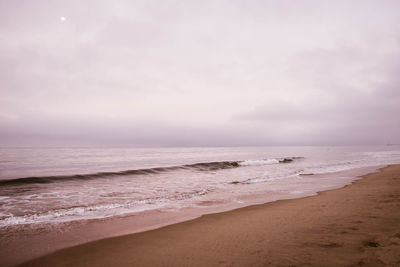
(99, 210)
(201, 166)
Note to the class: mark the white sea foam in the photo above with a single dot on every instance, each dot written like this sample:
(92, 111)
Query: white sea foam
(78, 213)
(258, 162)
(99, 211)
(270, 178)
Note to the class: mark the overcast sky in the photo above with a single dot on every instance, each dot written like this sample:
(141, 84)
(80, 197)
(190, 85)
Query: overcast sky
(199, 73)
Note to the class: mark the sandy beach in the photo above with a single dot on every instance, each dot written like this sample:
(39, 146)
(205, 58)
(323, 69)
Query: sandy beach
(355, 225)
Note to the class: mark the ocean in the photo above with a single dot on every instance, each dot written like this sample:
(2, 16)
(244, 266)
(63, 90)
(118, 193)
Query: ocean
(47, 186)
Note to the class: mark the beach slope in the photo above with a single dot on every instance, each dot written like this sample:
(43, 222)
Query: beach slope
(356, 225)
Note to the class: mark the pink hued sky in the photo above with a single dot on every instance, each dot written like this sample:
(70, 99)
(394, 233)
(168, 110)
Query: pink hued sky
(199, 73)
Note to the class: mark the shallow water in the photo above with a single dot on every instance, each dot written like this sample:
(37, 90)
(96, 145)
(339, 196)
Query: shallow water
(53, 185)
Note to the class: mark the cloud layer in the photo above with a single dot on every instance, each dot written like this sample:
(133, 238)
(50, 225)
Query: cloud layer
(199, 72)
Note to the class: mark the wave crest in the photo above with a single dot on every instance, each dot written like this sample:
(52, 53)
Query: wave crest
(201, 166)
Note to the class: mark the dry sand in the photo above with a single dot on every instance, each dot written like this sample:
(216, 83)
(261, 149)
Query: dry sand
(355, 225)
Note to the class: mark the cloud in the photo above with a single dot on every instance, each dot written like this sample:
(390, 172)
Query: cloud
(347, 95)
(199, 73)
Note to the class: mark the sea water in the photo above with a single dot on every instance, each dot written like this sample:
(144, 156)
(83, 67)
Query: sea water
(53, 185)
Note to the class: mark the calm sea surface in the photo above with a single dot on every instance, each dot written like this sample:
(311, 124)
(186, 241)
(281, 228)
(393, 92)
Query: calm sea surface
(51, 185)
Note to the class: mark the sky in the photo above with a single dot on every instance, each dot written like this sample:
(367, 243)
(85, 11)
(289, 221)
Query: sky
(199, 73)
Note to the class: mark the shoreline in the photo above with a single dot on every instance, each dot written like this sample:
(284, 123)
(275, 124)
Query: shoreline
(150, 240)
(26, 242)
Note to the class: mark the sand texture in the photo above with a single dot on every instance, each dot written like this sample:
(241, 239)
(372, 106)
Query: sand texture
(358, 225)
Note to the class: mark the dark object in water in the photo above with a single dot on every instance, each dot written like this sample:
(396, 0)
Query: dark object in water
(285, 160)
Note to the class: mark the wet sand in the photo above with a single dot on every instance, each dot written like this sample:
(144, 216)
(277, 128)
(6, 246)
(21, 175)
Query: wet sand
(356, 225)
